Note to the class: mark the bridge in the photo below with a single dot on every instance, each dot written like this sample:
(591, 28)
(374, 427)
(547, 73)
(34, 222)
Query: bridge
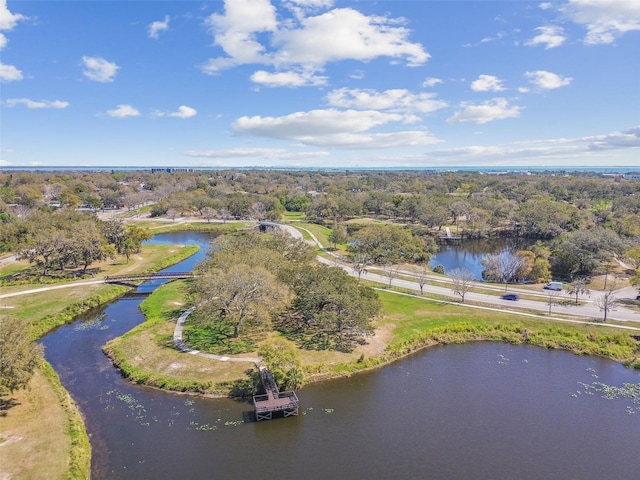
(148, 276)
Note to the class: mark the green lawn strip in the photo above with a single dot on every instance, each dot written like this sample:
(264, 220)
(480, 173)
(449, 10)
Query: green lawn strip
(80, 453)
(419, 323)
(146, 354)
(49, 309)
(415, 323)
(200, 226)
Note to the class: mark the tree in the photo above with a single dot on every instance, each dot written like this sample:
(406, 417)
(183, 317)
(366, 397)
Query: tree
(579, 286)
(239, 294)
(584, 252)
(19, 355)
(607, 302)
(462, 281)
(552, 295)
(385, 244)
(422, 275)
(331, 302)
(338, 234)
(282, 358)
(502, 267)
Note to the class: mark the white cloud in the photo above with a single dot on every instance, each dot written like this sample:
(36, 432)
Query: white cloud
(604, 20)
(183, 112)
(495, 109)
(394, 100)
(557, 151)
(12, 102)
(9, 73)
(307, 42)
(549, 36)
(8, 20)
(3, 41)
(236, 30)
(156, 27)
(333, 128)
(487, 83)
(546, 80)
(269, 153)
(431, 82)
(99, 69)
(123, 111)
(288, 79)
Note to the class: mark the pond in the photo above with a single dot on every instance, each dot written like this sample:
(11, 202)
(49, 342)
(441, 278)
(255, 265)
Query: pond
(481, 410)
(470, 253)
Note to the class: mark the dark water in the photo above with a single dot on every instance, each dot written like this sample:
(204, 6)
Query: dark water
(481, 411)
(469, 255)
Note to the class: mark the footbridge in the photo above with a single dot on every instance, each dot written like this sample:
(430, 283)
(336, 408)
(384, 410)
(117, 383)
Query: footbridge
(148, 276)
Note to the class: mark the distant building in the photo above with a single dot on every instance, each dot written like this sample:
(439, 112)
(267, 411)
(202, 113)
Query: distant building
(632, 175)
(171, 170)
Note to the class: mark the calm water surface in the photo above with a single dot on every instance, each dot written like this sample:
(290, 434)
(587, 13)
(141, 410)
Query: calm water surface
(481, 411)
(470, 253)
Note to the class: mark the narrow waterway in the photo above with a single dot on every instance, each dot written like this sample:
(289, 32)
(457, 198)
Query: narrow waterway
(482, 411)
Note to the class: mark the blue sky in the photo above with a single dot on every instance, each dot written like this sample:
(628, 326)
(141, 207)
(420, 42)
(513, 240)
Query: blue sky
(320, 83)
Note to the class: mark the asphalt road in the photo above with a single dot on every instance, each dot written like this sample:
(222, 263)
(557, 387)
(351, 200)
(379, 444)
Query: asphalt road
(585, 310)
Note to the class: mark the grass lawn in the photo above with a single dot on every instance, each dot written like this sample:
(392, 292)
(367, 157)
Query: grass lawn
(47, 309)
(409, 323)
(42, 435)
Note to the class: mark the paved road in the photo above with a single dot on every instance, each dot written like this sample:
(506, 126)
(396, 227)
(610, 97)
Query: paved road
(586, 310)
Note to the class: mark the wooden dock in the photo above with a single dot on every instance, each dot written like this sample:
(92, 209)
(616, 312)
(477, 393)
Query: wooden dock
(273, 400)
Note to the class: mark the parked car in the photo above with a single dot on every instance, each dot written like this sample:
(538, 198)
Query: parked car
(509, 296)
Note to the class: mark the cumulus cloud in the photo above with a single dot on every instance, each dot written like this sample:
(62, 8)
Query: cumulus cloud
(249, 33)
(431, 82)
(182, 112)
(159, 26)
(487, 83)
(604, 20)
(288, 79)
(546, 80)
(12, 102)
(123, 111)
(8, 20)
(394, 100)
(495, 109)
(333, 128)
(9, 73)
(549, 36)
(99, 70)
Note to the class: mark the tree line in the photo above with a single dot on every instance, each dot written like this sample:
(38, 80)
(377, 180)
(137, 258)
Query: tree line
(580, 223)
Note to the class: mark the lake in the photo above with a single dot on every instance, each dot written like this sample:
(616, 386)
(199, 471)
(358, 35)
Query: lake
(480, 410)
(470, 253)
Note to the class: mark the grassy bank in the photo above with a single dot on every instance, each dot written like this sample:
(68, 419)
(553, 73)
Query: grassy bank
(43, 434)
(49, 309)
(146, 354)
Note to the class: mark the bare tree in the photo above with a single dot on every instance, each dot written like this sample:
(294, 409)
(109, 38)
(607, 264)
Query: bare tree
(421, 276)
(607, 302)
(502, 267)
(579, 287)
(553, 294)
(392, 271)
(462, 281)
